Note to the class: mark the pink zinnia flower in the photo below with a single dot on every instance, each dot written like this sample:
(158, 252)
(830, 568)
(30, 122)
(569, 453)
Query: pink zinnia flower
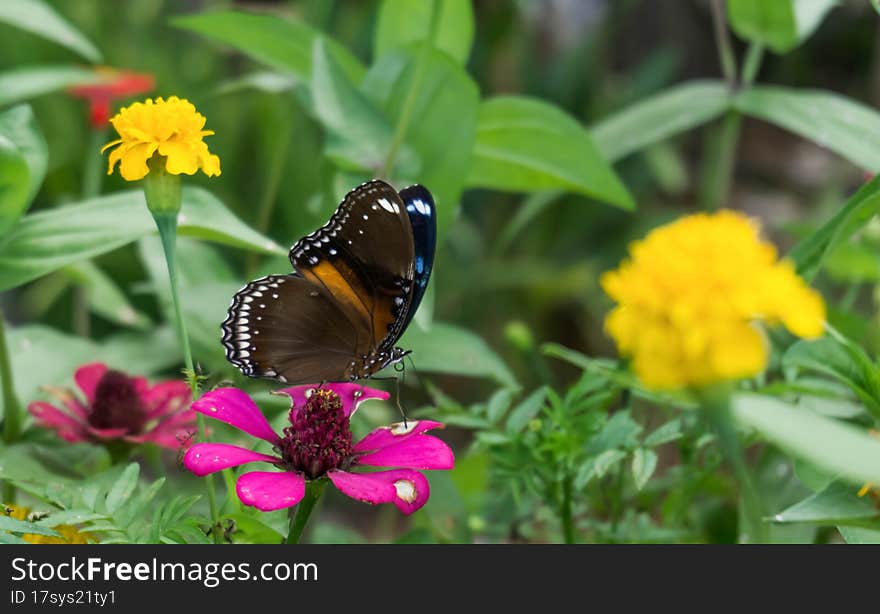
(318, 444)
(119, 407)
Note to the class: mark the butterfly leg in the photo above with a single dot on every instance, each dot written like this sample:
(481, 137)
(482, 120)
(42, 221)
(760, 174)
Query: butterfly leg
(396, 395)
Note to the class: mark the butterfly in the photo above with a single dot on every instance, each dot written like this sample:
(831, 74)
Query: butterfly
(357, 283)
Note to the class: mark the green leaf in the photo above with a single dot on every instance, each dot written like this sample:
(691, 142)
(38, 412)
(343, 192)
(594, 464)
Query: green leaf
(450, 349)
(828, 444)
(620, 431)
(23, 160)
(853, 263)
(48, 240)
(810, 253)
(104, 297)
(69, 517)
(39, 18)
(499, 403)
(836, 504)
(44, 356)
(14, 184)
(22, 526)
(644, 462)
(671, 431)
(20, 84)
(280, 44)
(859, 535)
(597, 467)
(261, 81)
(779, 24)
(659, 117)
(439, 105)
(845, 361)
(836, 122)
(876, 5)
(359, 136)
(19, 126)
(528, 145)
(401, 22)
(527, 409)
(123, 488)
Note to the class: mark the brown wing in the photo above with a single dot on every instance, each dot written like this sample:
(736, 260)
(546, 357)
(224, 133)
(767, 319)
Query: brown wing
(363, 257)
(287, 328)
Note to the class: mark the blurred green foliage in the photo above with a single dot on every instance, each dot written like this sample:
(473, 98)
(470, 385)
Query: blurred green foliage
(551, 134)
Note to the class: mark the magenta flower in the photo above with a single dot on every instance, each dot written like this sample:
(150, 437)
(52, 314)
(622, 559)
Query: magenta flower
(119, 407)
(318, 444)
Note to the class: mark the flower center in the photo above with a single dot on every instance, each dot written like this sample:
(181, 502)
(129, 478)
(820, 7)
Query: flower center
(117, 404)
(318, 438)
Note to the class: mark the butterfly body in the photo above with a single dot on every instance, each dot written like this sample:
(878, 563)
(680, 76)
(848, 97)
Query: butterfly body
(357, 283)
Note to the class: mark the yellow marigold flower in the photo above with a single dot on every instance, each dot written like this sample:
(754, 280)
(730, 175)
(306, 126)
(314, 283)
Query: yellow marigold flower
(172, 127)
(691, 295)
(69, 534)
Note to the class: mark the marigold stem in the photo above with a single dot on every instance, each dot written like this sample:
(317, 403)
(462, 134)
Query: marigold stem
(166, 221)
(717, 406)
(299, 515)
(11, 408)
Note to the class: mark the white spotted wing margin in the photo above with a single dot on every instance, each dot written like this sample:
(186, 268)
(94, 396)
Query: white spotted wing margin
(281, 325)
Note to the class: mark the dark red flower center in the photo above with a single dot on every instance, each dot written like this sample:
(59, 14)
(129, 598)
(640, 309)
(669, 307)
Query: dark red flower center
(319, 437)
(117, 404)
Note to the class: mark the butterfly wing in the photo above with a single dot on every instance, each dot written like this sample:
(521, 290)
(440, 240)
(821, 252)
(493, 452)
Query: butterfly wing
(423, 220)
(363, 257)
(288, 328)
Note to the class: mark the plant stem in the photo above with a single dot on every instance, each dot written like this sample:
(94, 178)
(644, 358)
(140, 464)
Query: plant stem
(166, 222)
(93, 170)
(91, 187)
(565, 516)
(299, 515)
(272, 182)
(11, 409)
(752, 63)
(414, 88)
(722, 162)
(717, 407)
(722, 41)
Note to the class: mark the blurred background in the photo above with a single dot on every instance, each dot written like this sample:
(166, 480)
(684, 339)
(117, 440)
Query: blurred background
(518, 270)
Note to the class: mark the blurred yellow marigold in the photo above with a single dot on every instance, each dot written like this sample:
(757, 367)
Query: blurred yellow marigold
(691, 295)
(172, 127)
(69, 534)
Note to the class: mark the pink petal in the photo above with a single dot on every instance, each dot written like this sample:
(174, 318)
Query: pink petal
(69, 400)
(49, 416)
(346, 392)
(205, 458)
(419, 452)
(269, 491)
(235, 407)
(107, 433)
(166, 397)
(87, 377)
(407, 489)
(141, 386)
(385, 436)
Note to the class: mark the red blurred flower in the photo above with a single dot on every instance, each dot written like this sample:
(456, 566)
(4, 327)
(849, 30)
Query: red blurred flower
(119, 407)
(112, 84)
